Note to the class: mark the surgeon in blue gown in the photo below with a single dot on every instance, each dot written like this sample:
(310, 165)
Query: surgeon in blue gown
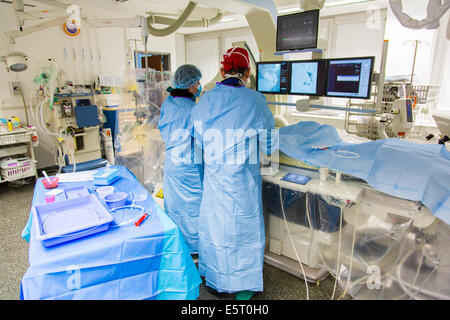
(230, 121)
(182, 180)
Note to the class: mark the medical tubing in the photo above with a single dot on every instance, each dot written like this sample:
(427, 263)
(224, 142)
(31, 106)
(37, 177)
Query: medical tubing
(415, 278)
(41, 118)
(339, 254)
(38, 116)
(175, 25)
(292, 242)
(318, 249)
(74, 162)
(351, 256)
(364, 278)
(60, 164)
(426, 292)
(398, 273)
(418, 270)
(31, 105)
(132, 206)
(403, 284)
(354, 283)
(383, 133)
(24, 107)
(344, 154)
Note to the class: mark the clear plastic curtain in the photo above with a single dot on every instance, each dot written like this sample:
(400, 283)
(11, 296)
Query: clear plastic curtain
(138, 144)
(379, 247)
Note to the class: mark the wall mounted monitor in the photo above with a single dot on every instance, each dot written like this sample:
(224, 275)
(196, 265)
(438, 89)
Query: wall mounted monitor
(297, 31)
(308, 77)
(273, 77)
(350, 77)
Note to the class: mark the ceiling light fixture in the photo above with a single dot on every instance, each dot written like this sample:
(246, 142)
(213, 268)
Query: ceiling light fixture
(227, 20)
(289, 10)
(344, 2)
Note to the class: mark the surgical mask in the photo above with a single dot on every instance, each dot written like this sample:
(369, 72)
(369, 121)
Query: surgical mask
(240, 76)
(199, 91)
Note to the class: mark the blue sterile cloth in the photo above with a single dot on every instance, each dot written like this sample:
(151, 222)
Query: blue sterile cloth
(183, 178)
(417, 172)
(231, 224)
(151, 261)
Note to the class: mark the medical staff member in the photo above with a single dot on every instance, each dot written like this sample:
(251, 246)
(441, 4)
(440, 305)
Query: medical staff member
(229, 120)
(182, 180)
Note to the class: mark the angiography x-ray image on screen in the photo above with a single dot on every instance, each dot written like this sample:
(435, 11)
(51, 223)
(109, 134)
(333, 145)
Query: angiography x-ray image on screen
(269, 77)
(273, 77)
(304, 78)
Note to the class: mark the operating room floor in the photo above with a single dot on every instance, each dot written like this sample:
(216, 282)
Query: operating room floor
(15, 205)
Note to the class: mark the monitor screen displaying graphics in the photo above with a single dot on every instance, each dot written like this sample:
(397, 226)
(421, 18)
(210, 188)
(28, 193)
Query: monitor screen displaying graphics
(350, 77)
(273, 77)
(297, 31)
(308, 77)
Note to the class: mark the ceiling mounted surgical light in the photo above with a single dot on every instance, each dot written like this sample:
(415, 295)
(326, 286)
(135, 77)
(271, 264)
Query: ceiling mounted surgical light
(16, 61)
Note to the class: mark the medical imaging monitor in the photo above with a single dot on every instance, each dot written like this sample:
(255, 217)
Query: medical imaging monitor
(308, 77)
(297, 31)
(272, 77)
(350, 77)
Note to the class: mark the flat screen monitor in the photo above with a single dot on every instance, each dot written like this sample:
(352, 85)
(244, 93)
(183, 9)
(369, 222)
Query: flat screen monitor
(308, 77)
(297, 31)
(273, 77)
(350, 77)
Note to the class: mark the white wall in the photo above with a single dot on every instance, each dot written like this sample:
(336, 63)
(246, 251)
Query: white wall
(106, 51)
(180, 49)
(197, 49)
(205, 50)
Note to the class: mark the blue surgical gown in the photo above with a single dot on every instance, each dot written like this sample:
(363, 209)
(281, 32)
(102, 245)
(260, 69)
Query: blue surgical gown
(182, 180)
(231, 225)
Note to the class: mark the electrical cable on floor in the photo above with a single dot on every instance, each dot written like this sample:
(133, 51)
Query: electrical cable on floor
(293, 245)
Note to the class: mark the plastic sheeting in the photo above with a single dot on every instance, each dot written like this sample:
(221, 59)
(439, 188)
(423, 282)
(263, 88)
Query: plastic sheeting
(138, 144)
(397, 167)
(127, 262)
(380, 247)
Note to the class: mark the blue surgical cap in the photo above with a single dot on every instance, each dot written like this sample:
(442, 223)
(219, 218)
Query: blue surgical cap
(186, 76)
